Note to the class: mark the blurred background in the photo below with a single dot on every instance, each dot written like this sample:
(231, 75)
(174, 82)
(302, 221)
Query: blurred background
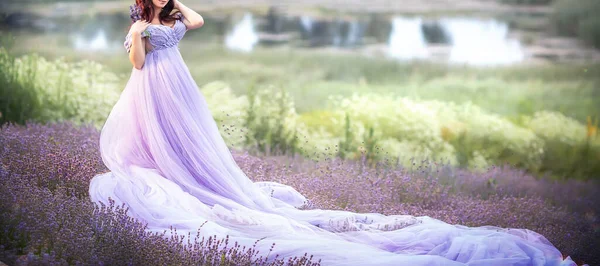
(470, 83)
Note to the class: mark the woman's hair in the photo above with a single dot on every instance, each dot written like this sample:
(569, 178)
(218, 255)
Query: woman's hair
(147, 11)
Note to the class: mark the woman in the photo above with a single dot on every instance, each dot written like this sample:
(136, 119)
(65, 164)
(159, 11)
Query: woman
(170, 165)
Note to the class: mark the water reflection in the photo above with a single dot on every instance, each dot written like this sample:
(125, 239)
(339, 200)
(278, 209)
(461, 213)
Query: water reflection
(434, 33)
(461, 40)
(338, 33)
(469, 40)
(481, 42)
(103, 33)
(243, 36)
(407, 40)
(97, 43)
(456, 40)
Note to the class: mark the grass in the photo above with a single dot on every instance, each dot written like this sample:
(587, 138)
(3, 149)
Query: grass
(33, 88)
(311, 77)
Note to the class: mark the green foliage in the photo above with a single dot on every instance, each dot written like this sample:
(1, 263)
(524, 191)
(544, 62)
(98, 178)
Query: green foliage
(262, 120)
(311, 78)
(454, 118)
(33, 88)
(347, 145)
(578, 18)
(442, 131)
(406, 130)
(18, 97)
(370, 146)
(556, 126)
(571, 148)
(232, 116)
(567, 161)
(459, 134)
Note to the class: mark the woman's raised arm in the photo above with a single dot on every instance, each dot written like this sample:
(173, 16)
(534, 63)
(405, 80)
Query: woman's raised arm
(191, 19)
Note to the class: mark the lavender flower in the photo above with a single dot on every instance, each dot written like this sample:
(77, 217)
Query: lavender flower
(135, 12)
(46, 216)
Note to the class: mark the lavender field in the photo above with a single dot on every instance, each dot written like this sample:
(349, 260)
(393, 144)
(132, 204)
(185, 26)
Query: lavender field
(46, 216)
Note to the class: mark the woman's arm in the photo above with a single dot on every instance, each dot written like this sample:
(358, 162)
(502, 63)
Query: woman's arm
(192, 20)
(137, 54)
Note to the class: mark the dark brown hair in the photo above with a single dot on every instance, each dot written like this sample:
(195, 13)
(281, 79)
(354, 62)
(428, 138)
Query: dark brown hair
(165, 15)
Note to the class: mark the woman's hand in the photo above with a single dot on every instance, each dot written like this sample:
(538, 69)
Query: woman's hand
(139, 26)
(137, 54)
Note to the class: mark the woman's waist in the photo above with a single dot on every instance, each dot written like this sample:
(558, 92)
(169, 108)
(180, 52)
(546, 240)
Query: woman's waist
(157, 49)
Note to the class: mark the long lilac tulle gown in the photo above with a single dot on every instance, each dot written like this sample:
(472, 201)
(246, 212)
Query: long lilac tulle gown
(171, 167)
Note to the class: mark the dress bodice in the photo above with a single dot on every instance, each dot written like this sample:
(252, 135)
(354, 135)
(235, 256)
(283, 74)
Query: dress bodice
(161, 36)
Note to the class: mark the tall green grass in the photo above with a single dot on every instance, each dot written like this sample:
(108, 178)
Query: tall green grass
(403, 130)
(311, 77)
(32, 88)
(18, 96)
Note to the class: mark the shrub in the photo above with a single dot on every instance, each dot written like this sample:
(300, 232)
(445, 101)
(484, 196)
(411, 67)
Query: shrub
(231, 116)
(32, 88)
(18, 98)
(442, 131)
(463, 135)
(572, 149)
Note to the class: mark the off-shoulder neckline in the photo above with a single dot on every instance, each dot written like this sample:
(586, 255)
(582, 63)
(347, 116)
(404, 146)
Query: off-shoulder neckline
(170, 27)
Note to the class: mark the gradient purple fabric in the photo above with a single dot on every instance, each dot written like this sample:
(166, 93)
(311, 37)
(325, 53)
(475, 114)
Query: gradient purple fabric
(171, 167)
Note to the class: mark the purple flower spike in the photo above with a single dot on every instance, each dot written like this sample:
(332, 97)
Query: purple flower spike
(135, 12)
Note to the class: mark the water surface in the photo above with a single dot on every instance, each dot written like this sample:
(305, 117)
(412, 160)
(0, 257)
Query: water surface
(463, 40)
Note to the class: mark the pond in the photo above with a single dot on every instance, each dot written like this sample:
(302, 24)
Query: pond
(463, 40)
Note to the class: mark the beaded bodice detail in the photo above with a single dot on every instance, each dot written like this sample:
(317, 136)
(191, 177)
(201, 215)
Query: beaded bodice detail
(161, 36)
